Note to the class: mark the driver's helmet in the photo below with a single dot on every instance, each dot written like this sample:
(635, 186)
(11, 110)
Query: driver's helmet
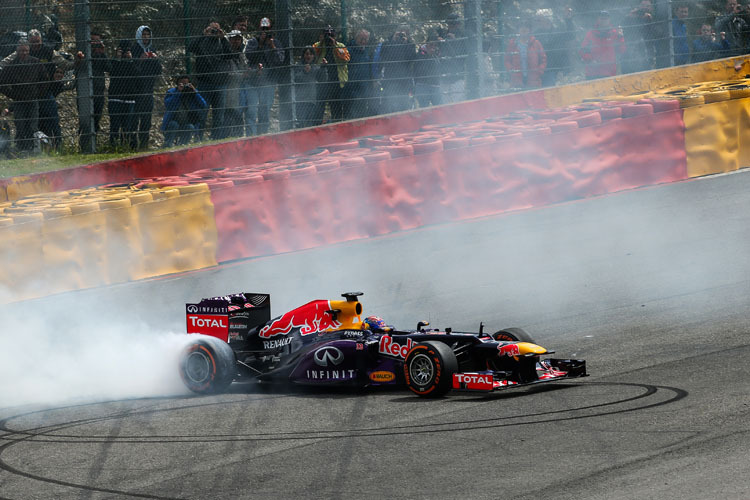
(375, 324)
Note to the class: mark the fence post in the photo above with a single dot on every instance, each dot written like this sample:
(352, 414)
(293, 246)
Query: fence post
(343, 22)
(286, 82)
(186, 23)
(84, 78)
(473, 26)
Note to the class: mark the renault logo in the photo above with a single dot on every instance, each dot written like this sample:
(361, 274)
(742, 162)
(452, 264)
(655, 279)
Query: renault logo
(327, 355)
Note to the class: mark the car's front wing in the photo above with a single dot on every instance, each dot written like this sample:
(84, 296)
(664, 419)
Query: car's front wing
(547, 370)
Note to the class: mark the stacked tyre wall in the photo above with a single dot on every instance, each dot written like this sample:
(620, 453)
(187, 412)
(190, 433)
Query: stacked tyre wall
(189, 209)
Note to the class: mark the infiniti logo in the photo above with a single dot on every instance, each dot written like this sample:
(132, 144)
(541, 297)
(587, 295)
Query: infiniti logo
(328, 354)
(192, 308)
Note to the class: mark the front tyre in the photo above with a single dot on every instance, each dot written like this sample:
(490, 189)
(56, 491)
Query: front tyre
(512, 335)
(429, 369)
(207, 365)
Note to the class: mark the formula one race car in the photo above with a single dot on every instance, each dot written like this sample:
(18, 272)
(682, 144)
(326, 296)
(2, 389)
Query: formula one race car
(326, 342)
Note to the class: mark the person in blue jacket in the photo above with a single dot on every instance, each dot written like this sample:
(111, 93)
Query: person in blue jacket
(185, 112)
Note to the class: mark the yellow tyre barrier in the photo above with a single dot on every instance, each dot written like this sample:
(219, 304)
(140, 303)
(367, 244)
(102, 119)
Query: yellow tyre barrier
(716, 96)
(6, 221)
(138, 198)
(83, 208)
(689, 100)
(193, 188)
(739, 91)
(27, 217)
(114, 203)
(55, 212)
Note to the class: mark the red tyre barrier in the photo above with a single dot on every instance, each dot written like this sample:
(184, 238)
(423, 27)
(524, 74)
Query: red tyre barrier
(564, 126)
(377, 156)
(456, 142)
(340, 146)
(352, 161)
(533, 132)
(481, 139)
(587, 120)
(610, 112)
(324, 165)
(427, 147)
(247, 179)
(630, 110)
(220, 184)
(276, 174)
(662, 105)
(397, 151)
(304, 171)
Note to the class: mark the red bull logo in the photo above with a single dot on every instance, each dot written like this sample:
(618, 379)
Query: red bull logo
(310, 318)
(508, 350)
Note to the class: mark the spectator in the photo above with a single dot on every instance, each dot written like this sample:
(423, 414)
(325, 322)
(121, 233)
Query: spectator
(679, 36)
(240, 24)
(212, 54)
(49, 117)
(600, 47)
(238, 73)
(307, 77)
(360, 89)
(397, 62)
(22, 79)
(52, 37)
(148, 67)
(6, 137)
(557, 40)
(264, 55)
(101, 65)
(334, 57)
(428, 68)
(642, 34)
(706, 48)
(123, 85)
(525, 59)
(454, 50)
(735, 27)
(184, 112)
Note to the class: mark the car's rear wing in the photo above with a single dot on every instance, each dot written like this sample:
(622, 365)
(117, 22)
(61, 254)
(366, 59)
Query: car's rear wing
(220, 316)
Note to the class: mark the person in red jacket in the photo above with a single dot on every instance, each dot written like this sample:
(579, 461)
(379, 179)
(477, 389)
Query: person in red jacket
(525, 59)
(600, 47)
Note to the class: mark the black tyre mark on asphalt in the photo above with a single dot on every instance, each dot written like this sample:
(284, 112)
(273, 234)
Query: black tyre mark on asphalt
(458, 426)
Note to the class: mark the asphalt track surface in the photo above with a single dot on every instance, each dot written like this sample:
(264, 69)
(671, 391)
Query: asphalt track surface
(650, 286)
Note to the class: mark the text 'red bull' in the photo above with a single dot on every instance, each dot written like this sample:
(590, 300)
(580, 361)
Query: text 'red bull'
(310, 318)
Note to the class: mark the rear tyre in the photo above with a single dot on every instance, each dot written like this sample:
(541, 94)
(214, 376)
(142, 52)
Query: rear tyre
(429, 369)
(208, 365)
(512, 335)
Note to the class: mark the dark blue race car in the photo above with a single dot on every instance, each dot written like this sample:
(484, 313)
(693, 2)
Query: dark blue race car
(328, 342)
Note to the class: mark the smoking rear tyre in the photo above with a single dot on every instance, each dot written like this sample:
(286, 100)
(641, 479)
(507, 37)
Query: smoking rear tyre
(207, 365)
(512, 335)
(429, 369)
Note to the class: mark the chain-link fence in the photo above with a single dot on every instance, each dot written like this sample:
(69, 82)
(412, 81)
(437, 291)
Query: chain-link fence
(96, 75)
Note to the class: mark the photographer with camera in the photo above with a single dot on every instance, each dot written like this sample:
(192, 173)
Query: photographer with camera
(735, 25)
(265, 55)
(212, 53)
(334, 57)
(184, 112)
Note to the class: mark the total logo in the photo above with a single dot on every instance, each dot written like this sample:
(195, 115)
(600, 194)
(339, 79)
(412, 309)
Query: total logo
(199, 322)
(465, 378)
(388, 346)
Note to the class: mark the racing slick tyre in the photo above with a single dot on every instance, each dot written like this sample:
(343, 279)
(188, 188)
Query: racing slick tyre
(429, 369)
(208, 365)
(512, 335)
